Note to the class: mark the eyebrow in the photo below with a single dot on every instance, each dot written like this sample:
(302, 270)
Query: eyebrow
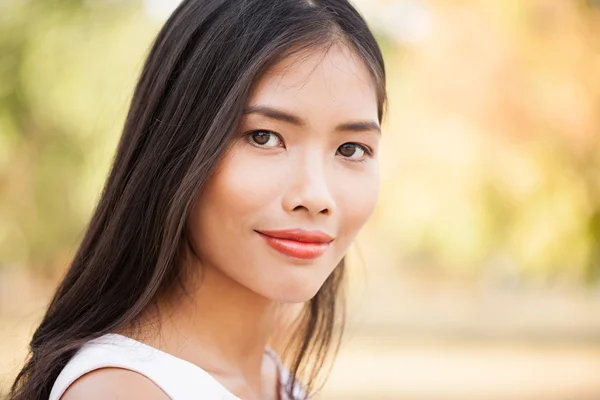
(353, 126)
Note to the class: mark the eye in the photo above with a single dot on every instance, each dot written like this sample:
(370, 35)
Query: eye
(262, 138)
(353, 151)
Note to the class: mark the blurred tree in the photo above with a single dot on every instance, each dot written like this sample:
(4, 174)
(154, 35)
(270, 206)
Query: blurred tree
(38, 159)
(495, 151)
(65, 65)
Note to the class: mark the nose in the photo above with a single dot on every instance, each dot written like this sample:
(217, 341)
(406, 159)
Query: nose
(309, 189)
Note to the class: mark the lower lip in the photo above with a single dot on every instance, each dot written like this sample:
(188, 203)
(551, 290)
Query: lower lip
(293, 248)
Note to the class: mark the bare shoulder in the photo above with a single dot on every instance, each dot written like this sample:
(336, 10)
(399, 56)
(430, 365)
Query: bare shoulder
(113, 383)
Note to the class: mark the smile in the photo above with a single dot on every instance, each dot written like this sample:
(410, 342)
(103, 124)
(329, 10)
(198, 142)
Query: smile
(297, 243)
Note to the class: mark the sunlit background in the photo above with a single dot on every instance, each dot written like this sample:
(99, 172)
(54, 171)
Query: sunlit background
(478, 276)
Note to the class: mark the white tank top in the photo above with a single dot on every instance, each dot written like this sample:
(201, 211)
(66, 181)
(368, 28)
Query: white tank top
(179, 379)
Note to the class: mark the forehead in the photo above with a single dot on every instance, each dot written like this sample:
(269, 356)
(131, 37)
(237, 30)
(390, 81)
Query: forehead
(334, 81)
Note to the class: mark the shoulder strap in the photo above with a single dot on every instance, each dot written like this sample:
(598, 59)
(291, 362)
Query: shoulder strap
(179, 379)
(285, 379)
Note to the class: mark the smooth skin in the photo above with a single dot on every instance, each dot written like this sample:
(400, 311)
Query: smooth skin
(305, 156)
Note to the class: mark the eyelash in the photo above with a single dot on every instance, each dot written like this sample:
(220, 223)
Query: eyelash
(367, 150)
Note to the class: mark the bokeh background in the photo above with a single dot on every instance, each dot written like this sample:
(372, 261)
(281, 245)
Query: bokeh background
(478, 276)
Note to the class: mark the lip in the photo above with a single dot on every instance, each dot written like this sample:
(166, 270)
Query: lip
(298, 243)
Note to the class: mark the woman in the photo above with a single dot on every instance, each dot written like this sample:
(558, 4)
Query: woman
(247, 165)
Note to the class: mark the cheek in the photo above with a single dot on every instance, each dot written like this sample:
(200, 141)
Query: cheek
(248, 182)
(357, 199)
(236, 198)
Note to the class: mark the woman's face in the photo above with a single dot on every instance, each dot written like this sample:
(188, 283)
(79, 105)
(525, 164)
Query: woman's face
(304, 160)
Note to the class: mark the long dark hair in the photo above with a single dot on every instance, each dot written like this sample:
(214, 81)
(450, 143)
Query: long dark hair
(191, 93)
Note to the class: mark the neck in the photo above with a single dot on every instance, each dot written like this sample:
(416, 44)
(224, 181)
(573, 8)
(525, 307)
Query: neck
(221, 326)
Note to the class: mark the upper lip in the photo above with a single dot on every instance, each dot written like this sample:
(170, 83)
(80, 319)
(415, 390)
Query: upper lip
(299, 235)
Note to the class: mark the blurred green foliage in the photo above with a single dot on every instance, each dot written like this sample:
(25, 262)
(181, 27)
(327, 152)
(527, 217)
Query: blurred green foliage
(67, 70)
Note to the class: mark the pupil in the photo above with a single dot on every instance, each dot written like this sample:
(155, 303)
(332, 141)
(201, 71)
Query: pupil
(347, 150)
(261, 137)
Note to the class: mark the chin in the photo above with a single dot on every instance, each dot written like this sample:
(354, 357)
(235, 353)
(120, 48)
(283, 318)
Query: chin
(293, 298)
(294, 293)
(297, 284)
